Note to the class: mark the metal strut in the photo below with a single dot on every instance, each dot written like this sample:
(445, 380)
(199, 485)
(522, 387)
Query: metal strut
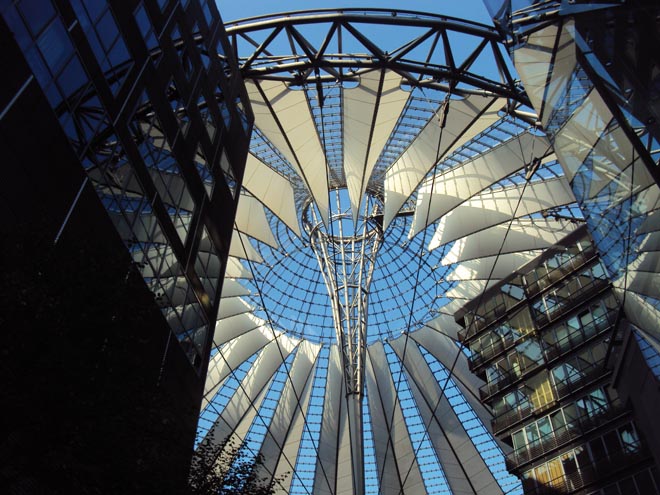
(346, 253)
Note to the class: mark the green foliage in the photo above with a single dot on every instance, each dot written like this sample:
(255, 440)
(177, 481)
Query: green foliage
(225, 469)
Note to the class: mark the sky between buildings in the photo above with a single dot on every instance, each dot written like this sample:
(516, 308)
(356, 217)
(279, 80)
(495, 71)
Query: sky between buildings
(474, 10)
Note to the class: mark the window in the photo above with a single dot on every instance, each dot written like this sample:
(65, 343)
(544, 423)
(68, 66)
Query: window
(593, 403)
(519, 443)
(55, 46)
(208, 265)
(582, 457)
(598, 450)
(514, 293)
(558, 422)
(36, 14)
(208, 15)
(204, 170)
(629, 439)
(226, 114)
(569, 464)
(104, 38)
(497, 371)
(555, 472)
(52, 57)
(532, 435)
(541, 391)
(542, 475)
(228, 172)
(644, 482)
(545, 429)
(146, 27)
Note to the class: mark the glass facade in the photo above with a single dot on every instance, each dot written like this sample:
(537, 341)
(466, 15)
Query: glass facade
(589, 74)
(161, 130)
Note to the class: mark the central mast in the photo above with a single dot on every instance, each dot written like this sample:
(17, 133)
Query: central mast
(346, 252)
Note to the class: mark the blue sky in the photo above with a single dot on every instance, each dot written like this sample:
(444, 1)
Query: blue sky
(474, 10)
(388, 40)
(467, 9)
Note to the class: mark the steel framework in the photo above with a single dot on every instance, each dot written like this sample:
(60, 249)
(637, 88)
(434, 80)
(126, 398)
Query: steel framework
(301, 62)
(346, 254)
(321, 56)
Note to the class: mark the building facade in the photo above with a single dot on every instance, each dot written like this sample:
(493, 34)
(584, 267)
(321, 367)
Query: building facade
(547, 341)
(125, 133)
(591, 75)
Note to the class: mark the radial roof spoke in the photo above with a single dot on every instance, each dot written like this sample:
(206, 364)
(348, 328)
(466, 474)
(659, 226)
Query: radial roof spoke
(389, 181)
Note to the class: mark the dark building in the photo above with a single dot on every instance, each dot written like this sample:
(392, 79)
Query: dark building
(546, 341)
(124, 139)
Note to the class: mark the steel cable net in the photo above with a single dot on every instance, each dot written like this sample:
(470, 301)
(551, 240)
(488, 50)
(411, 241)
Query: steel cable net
(395, 179)
(291, 284)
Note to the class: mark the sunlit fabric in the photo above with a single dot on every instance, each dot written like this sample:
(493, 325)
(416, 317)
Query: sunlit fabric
(391, 180)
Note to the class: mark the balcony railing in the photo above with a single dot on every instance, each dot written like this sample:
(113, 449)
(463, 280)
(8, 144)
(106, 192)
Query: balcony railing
(575, 429)
(507, 378)
(479, 322)
(551, 351)
(568, 303)
(511, 417)
(578, 337)
(601, 469)
(564, 388)
(560, 390)
(492, 350)
(561, 271)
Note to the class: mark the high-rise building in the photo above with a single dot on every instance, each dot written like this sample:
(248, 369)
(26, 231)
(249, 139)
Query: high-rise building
(400, 169)
(546, 341)
(125, 129)
(586, 67)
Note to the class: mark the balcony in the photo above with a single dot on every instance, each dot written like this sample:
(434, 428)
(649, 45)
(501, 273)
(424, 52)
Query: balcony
(565, 388)
(568, 344)
(479, 322)
(507, 378)
(551, 351)
(570, 301)
(561, 389)
(601, 469)
(575, 339)
(561, 271)
(576, 429)
(491, 351)
(510, 417)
